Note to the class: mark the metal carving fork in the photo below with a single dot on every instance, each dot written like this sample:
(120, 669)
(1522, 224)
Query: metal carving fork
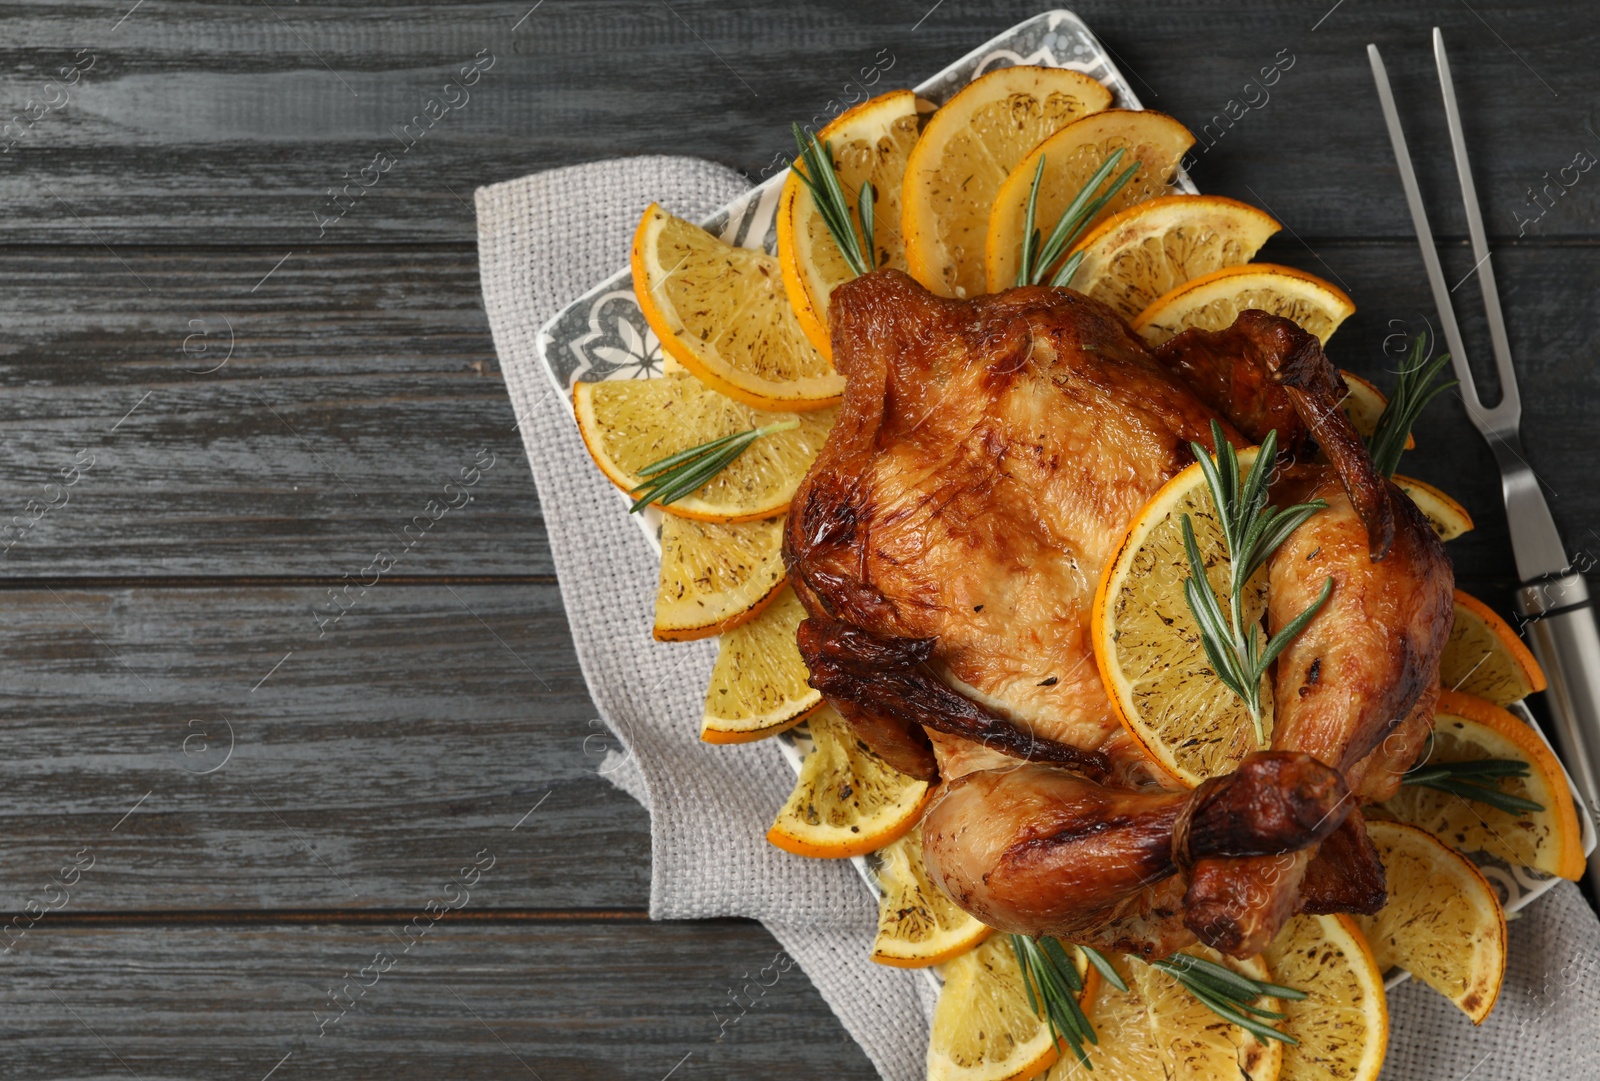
(1553, 599)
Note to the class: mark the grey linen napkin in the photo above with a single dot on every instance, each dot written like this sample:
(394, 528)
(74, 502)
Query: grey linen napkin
(542, 241)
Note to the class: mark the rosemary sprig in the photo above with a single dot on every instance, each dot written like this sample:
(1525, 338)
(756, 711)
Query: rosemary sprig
(1099, 961)
(1476, 781)
(1413, 390)
(1053, 986)
(1228, 994)
(1039, 256)
(1252, 531)
(687, 471)
(815, 169)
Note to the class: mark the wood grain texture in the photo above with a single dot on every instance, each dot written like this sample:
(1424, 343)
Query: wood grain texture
(425, 724)
(575, 1001)
(215, 122)
(353, 385)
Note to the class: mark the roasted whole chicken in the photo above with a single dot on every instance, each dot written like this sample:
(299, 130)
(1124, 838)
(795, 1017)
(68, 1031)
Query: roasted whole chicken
(989, 455)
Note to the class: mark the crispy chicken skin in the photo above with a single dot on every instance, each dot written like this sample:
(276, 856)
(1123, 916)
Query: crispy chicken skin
(988, 455)
(1038, 849)
(1265, 373)
(946, 545)
(1234, 372)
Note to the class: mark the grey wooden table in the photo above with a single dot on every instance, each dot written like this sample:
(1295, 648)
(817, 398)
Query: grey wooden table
(254, 363)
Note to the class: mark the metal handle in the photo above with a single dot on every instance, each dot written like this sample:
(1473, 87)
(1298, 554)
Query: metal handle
(1562, 632)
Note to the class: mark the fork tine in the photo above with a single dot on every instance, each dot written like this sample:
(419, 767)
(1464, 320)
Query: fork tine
(1510, 404)
(1419, 220)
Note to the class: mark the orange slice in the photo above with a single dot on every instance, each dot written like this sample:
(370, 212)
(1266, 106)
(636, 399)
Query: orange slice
(1443, 922)
(1364, 403)
(1151, 248)
(847, 801)
(628, 424)
(1154, 141)
(965, 153)
(715, 577)
(1147, 643)
(722, 313)
(1342, 1026)
(1448, 518)
(1466, 729)
(983, 1026)
(1157, 1031)
(871, 143)
(1213, 301)
(759, 685)
(918, 925)
(1484, 656)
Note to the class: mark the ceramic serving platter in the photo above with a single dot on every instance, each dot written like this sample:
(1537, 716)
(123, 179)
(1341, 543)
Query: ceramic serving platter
(603, 334)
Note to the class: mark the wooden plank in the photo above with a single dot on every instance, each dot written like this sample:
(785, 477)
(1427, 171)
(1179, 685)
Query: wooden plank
(425, 723)
(1312, 145)
(219, 120)
(374, 382)
(291, 426)
(576, 1001)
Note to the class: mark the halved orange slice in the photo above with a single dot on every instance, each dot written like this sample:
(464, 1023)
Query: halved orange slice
(1342, 1026)
(759, 684)
(1157, 1031)
(1153, 141)
(628, 424)
(1442, 923)
(715, 577)
(1213, 301)
(965, 152)
(1153, 247)
(918, 925)
(1484, 656)
(1364, 403)
(871, 144)
(848, 801)
(1467, 729)
(722, 313)
(983, 1026)
(1448, 518)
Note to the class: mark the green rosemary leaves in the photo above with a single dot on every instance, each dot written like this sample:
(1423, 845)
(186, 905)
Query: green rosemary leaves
(1053, 986)
(687, 471)
(1228, 994)
(1475, 780)
(1414, 389)
(815, 169)
(1252, 531)
(1039, 256)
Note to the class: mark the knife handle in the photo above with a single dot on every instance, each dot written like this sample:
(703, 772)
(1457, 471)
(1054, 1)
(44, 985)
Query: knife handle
(1561, 629)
